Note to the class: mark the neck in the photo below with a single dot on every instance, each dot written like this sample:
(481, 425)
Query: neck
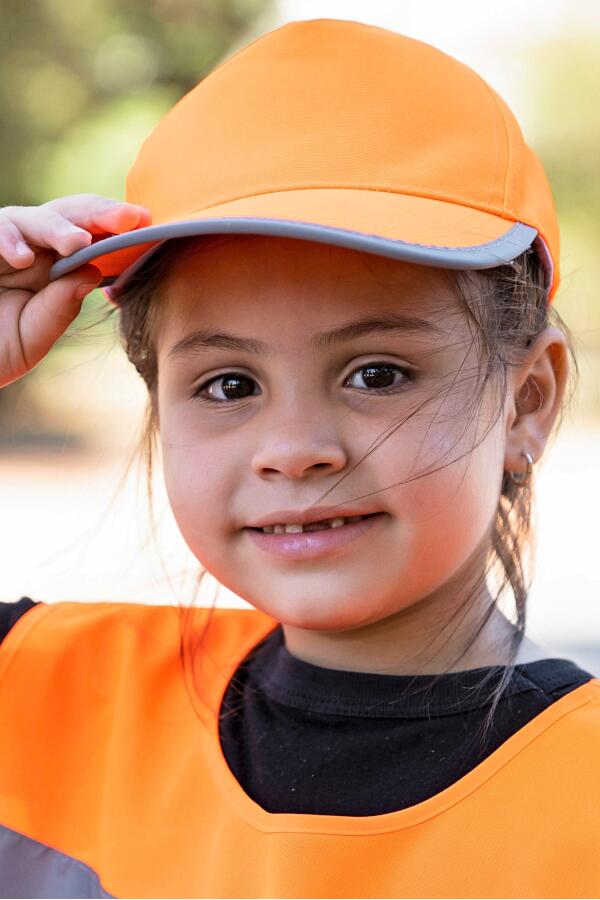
(430, 636)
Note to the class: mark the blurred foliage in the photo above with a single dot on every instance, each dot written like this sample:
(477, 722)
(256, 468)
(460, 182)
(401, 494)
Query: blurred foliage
(82, 83)
(564, 124)
(564, 128)
(565, 120)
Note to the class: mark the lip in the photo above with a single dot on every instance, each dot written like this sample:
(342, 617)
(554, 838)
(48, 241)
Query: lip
(313, 544)
(314, 514)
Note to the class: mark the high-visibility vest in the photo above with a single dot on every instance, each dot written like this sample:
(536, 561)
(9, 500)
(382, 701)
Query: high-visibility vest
(113, 782)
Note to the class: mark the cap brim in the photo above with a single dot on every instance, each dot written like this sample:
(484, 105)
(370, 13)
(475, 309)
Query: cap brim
(414, 229)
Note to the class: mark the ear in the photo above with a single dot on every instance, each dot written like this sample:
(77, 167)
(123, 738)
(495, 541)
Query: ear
(536, 390)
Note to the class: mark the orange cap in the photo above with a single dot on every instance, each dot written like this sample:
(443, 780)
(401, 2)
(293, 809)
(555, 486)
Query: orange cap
(344, 133)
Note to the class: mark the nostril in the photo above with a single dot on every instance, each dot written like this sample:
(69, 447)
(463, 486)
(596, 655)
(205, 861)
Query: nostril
(298, 457)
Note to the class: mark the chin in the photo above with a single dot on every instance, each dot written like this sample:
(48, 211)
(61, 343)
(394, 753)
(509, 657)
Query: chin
(319, 614)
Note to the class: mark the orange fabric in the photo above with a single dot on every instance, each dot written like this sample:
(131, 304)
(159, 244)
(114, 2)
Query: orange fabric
(345, 124)
(402, 217)
(104, 757)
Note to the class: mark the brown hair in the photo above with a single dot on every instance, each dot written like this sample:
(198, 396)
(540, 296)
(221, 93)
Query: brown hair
(506, 307)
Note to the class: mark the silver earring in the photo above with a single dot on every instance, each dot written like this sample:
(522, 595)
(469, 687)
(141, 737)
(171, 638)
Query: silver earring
(523, 478)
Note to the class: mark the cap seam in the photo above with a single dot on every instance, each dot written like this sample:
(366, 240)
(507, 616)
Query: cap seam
(512, 155)
(495, 127)
(448, 198)
(471, 247)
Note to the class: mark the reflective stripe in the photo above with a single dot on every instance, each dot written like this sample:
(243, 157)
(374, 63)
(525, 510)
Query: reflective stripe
(479, 256)
(30, 869)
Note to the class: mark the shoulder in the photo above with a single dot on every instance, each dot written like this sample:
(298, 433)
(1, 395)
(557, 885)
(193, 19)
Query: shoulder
(572, 757)
(11, 612)
(551, 767)
(114, 631)
(27, 622)
(578, 712)
(68, 662)
(572, 744)
(586, 716)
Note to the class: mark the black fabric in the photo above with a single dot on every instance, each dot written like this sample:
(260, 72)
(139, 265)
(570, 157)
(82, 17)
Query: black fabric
(10, 612)
(301, 738)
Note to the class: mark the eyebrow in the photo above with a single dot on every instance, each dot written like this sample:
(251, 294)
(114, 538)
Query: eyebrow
(201, 340)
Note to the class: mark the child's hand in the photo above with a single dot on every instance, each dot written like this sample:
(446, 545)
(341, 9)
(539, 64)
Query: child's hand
(33, 312)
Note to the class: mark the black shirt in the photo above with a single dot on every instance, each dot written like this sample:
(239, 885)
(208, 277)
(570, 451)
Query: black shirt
(296, 735)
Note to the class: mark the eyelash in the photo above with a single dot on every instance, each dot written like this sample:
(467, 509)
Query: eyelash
(409, 376)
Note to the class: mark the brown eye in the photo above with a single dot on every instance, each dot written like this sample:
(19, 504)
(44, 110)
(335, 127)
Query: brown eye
(379, 377)
(232, 386)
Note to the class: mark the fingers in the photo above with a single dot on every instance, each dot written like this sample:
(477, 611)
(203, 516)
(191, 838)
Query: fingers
(12, 246)
(45, 228)
(33, 313)
(33, 278)
(100, 214)
(64, 225)
(122, 218)
(46, 316)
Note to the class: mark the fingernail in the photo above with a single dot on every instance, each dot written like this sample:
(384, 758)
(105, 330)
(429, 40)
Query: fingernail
(21, 249)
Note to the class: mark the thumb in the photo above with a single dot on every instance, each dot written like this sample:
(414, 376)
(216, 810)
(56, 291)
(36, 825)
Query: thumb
(47, 314)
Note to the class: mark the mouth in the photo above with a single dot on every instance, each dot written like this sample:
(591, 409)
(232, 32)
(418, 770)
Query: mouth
(314, 540)
(320, 525)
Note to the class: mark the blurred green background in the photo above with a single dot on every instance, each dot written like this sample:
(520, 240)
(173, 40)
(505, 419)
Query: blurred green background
(82, 83)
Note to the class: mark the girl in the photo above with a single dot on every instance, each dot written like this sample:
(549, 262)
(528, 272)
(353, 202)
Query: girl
(342, 312)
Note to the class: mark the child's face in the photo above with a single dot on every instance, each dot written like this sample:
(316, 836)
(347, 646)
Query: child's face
(298, 413)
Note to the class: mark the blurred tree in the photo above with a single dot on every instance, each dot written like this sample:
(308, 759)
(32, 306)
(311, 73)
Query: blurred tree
(565, 79)
(81, 85)
(101, 74)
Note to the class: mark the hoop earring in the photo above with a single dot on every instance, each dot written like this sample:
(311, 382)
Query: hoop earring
(523, 478)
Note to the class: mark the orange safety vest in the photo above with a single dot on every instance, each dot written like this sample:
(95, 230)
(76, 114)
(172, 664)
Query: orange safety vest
(113, 783)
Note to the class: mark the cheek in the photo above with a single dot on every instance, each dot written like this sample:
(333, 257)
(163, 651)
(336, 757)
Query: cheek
(443, 516)
(200, 480)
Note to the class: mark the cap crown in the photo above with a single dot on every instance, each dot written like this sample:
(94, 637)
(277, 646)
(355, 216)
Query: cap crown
(327, 103)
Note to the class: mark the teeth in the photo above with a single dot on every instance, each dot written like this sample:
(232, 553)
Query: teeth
(297, 529)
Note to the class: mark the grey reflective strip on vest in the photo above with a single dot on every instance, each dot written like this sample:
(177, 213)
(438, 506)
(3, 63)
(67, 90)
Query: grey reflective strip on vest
(30, 869)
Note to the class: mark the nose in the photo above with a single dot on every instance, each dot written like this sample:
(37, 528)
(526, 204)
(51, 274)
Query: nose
(297, 451)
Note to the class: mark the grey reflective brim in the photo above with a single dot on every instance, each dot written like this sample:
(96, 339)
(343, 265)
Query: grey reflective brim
(482, 256)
